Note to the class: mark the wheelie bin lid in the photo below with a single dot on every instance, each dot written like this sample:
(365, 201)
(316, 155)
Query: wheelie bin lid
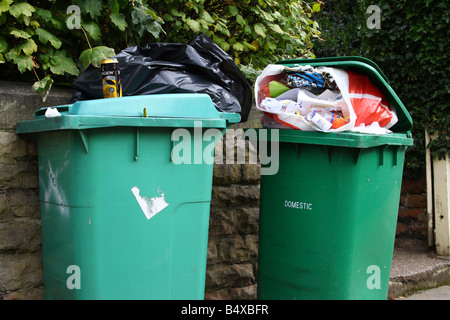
(373, 72)
(161, 110)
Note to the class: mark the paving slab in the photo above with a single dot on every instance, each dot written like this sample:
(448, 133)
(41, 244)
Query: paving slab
(417, 270)
(440, 293)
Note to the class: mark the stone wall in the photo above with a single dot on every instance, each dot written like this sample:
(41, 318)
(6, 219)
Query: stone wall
(231, 271)
(20, 226)
(233, 232)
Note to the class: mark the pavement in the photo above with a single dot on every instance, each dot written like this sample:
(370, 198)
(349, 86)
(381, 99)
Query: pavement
(419, 274)
(440, 293)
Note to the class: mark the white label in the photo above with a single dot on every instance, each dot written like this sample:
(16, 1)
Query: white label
(151, 206)
(299, 205)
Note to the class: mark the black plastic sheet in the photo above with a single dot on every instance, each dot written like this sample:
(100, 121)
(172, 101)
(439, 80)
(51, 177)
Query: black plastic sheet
(198, 67)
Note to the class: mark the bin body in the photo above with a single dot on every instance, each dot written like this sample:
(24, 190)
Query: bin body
(97, 181)
(328, 219)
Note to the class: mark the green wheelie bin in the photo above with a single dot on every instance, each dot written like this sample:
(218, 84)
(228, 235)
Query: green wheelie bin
(125, 197)
(328, 216)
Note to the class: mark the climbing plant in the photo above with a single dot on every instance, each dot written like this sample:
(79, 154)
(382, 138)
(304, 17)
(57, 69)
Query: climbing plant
(48, 40)
(411, 46)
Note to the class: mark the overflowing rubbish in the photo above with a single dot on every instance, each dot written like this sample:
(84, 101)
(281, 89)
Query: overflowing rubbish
(321, 99)
(310, 79)
(198, 67)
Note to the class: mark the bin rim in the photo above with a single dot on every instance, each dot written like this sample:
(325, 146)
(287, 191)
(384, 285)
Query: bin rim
(345, 139)
(163, 110)
(369, 68)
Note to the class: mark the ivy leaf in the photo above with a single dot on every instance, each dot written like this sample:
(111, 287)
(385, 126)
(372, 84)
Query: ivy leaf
(316, 7)
(168, 17)
(43, 87)
(250, 46)
(240, 20)
(145, 22)
(255, 44)
(58, 24)
(3, 45)
(46, 15)
(114, 6)
(225, 46)
(203, 23)
(23, 62)
(93, 7)
(267, 16)
(233, 10)
(193, 25)
(34, 24)
(238, 46)
(260, 29)
(60, 64)
(154, 28)
(45, 36)
(276, 28)
(207, 17)
(119, 21)
(21, 8)
(28, 47)
(152, 14)
(175, 13)
(4, 5)
(272, 46)
(20, 34)
(86, 57)
(96, 55)
(92, 29)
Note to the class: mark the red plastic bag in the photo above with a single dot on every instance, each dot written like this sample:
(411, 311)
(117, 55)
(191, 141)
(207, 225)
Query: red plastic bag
(368, 102)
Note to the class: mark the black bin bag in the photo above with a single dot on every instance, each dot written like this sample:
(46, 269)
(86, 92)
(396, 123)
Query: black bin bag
(198, 67)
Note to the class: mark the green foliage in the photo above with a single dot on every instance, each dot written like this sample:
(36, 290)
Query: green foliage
(254, 32)
(412, 49)
(56, 39)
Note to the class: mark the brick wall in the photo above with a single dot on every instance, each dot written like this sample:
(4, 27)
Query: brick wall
(412, 215)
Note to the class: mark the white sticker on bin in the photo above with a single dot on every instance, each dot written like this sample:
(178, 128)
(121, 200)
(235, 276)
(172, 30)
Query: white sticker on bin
(52, 113)
(151, 206)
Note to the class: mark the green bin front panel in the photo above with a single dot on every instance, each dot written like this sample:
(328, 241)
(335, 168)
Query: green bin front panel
(328, 221)
(97, 241)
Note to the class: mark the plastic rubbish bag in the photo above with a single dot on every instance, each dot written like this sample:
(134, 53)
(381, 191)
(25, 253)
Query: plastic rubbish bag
(324, 99)
(369, 103)
(198, 67)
